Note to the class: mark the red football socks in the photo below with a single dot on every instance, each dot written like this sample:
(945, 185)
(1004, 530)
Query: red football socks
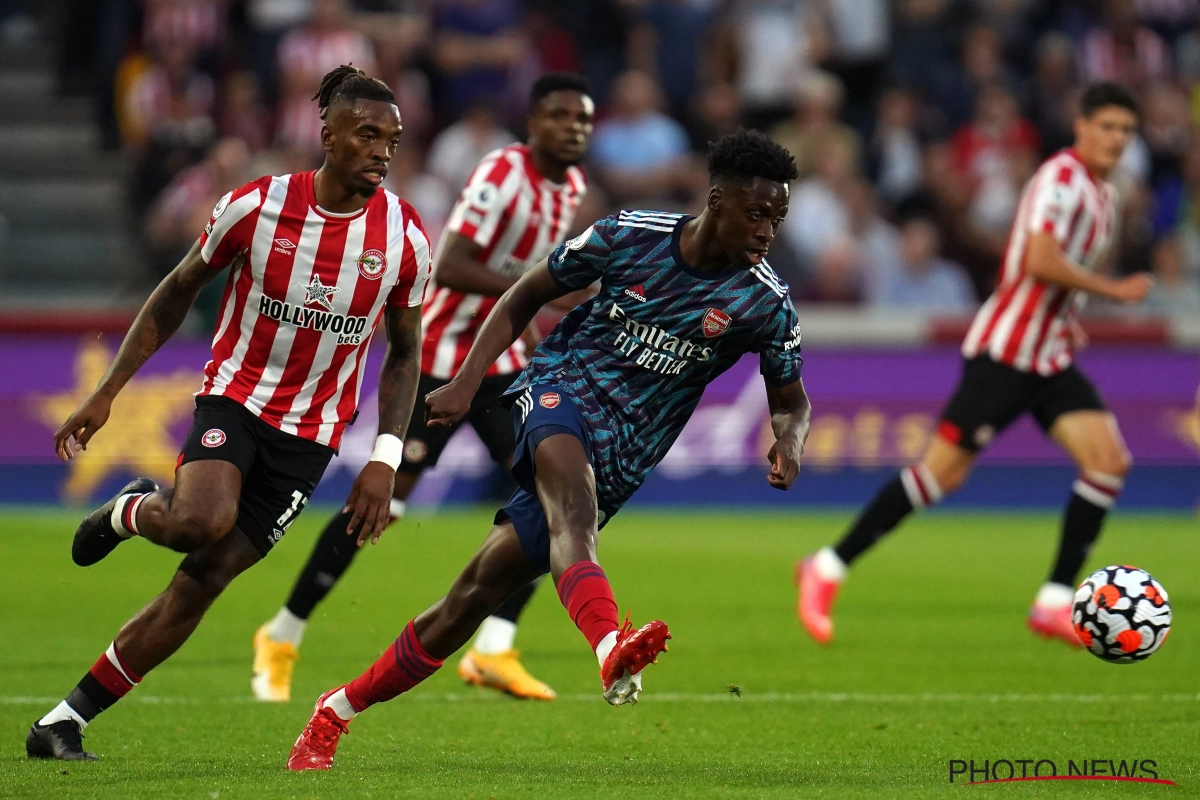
(401, 667)
(113, 674)
(588, 598)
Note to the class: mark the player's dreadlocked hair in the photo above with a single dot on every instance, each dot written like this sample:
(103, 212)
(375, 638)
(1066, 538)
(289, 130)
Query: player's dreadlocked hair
(555, 82)
(743, 155)
(348, 83)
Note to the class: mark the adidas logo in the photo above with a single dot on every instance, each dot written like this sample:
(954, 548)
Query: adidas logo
(637, 293)
(284, 246)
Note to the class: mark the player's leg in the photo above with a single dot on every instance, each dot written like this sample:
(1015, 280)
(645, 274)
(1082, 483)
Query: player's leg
(988, 398)
(202, 506)
(277, 641)
(941, 471)
(148, 639)
(1071, 411)
(552, 531)
(492, 659)
(499, 569)
(566, 492)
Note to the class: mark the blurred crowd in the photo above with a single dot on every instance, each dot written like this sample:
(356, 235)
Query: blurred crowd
(915, 123)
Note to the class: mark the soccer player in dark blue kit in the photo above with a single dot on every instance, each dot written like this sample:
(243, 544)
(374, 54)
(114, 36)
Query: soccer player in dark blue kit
(681, 300)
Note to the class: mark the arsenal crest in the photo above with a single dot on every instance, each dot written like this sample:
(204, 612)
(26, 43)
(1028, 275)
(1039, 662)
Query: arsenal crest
(549, 400)
(371, 265)
(714, 323)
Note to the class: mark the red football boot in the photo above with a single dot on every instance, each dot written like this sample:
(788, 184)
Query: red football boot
(317, 743)
(621, 675)
(815, 601)
(1054, 623)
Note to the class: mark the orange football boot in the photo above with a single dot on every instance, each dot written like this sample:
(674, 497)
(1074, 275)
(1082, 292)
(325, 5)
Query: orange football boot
(504, 672)
(1054, 623)
(621, 675)
(815, 601)
(317, 743)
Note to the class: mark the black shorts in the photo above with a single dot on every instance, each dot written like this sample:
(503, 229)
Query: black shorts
(279, 470)
(423, 445)
(991, 396)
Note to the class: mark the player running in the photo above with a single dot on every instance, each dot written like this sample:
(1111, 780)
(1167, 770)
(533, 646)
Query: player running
(1018, 358)
(681, 300)
(316, 259)
(519, 203)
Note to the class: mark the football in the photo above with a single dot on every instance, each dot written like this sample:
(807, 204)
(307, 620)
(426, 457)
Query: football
(1121, 614)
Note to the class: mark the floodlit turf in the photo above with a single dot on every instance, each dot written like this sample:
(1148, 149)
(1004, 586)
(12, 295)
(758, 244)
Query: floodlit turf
(931, 663)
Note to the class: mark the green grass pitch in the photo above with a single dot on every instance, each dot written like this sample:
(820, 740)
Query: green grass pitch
(931, 662)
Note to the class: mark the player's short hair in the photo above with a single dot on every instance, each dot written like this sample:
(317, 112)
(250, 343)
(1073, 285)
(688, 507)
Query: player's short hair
(1102, 95)
(557, 82)
(348, 83)
(743, 155)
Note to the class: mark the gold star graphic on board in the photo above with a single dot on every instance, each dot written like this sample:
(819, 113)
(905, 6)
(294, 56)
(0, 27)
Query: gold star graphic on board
(137, 437)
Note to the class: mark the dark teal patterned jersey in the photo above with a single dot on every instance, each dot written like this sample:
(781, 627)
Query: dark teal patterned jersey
(637, 356)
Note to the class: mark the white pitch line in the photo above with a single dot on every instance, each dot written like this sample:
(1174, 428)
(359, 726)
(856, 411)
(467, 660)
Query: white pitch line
(718, 697)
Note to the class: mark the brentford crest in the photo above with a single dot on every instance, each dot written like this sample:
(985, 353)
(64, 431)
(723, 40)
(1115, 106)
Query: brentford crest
(371, 265)
(213, 437)
(714, 323)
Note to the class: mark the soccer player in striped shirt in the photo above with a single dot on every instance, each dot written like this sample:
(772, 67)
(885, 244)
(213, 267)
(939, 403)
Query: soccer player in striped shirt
(315, 260)
(517, 206)
(681, 300)
(1019, 358)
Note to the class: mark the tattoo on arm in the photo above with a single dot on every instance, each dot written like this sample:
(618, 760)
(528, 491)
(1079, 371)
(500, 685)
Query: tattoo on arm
(162, 314)
(401, 370)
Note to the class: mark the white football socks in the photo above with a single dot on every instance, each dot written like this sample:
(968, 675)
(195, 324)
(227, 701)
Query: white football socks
(496, 635)
(605, 647)
(829, 566)
(287, 627)
(1054, 595)
(116, 519)
(60, 712)
(340, 705)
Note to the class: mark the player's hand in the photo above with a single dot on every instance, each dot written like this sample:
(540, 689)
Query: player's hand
(79, 428)
(370, 502)
(785, 463)
(449, 404)
(1133, 289)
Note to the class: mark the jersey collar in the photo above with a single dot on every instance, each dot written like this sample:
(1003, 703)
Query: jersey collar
(311, 192)
(535, 175)
(1073, 153)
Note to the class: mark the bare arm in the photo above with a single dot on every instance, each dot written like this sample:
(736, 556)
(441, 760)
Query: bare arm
(1046, 261)
(791, 413)
(371, 496)
(401, 370)
(161, 315)
(458, 267)
(508, 320)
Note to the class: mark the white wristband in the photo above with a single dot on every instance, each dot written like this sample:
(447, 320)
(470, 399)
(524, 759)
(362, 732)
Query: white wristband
(389, 449)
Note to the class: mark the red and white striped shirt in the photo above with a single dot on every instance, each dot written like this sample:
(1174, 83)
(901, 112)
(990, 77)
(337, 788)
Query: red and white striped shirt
(1026, 323)
(517, 216)
(306, 290)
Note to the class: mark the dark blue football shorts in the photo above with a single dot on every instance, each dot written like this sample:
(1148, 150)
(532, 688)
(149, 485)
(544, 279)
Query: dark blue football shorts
(539, 412)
